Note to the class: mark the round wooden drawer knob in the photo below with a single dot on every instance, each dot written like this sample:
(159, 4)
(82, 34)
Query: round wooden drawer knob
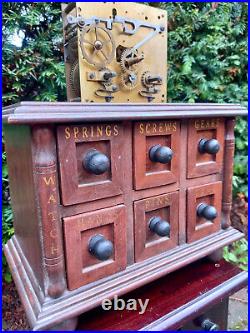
(100, 247)
(160, 154)
(211, 146)
(96, 162)
(206, 211)
(159, 226)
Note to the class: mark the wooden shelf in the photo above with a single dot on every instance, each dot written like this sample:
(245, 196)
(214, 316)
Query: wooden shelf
(60, 112)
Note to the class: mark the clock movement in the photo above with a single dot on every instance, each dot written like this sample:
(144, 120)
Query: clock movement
(115, 52)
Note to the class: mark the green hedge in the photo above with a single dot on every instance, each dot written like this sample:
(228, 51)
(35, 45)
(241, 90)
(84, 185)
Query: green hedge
(207, 62)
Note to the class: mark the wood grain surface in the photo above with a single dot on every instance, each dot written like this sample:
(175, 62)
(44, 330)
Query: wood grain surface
(210, 194)
(173, 300)
(53, 193)
(74, 142)
(83, 267)
(61, 112)
(146, 135)
(228, 172)
(205, 164)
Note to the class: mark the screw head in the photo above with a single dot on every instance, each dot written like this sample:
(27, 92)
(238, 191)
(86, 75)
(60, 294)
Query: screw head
(132, 77)
(98, 45)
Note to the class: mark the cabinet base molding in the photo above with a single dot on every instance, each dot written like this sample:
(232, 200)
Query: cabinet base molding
(45, 313)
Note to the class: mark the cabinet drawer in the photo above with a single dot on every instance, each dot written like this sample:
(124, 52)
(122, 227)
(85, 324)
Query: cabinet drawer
(95, 245)
(156, 225)
(156, 153)
(203, 210)
(90, 161)
(205, 146)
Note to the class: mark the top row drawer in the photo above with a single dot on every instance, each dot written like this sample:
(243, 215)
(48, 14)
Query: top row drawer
(92, 156)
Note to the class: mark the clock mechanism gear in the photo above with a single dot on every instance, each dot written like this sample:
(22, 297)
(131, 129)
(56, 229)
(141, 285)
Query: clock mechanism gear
(149, 80)
(129, 80)
(144, 79)
(130, 60)
(106, 91)
(150, 83)
(107, 86)
(74, 78)
(97, 45)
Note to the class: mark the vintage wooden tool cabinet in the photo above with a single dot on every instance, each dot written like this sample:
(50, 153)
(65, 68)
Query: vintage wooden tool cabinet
(109, 197)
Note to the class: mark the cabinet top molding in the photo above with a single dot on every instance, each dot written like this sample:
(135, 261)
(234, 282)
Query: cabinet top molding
(61, 112)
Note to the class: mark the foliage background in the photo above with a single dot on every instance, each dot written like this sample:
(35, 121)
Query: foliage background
(207, 62)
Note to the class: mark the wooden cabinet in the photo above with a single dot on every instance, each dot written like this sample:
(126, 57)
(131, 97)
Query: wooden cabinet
(113, 197)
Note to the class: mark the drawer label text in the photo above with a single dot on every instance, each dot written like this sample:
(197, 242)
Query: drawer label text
(153, 203)
(92, 131)
(206, 123)
(52, 215)
(158, 127)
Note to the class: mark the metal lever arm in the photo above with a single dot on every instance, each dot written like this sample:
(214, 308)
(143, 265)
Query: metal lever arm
(136, 24)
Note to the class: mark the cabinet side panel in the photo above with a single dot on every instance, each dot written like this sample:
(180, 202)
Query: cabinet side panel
(18, 149)
(46, 184)
(228, 173)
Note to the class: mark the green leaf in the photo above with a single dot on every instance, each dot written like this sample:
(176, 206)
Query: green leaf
(7, 277)
(232, 257)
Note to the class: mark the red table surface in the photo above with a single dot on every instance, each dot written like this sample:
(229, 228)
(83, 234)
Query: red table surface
(165, 295)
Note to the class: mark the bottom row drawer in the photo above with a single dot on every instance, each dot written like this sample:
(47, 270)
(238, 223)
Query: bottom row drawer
(96, 241)
(156, 225)
(103, 233)
(206, 201)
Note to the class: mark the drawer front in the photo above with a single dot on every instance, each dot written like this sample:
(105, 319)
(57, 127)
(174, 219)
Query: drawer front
(156, 225)
(90, 161)
(156, 167)
(203, 210)
(203, 155)
(95, 244)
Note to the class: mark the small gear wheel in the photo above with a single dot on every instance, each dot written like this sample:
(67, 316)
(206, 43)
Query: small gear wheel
(144, 78)
(74, 78)
(130, 60)
(129, 80)
(97, 45)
